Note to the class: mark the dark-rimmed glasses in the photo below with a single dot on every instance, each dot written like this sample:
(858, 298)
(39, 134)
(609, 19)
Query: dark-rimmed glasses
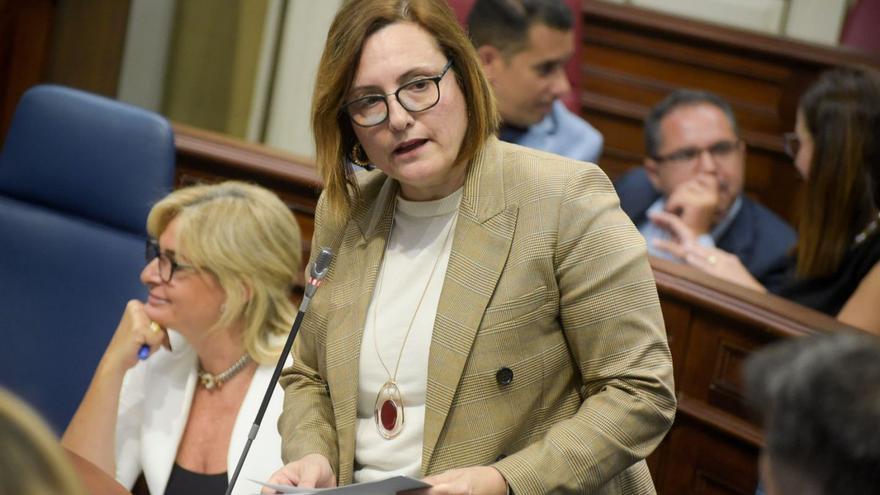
(792, 144)
(415, 96)
(721, 150)
(167, 264)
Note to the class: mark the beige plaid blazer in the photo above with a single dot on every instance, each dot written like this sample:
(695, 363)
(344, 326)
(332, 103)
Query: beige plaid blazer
(548, 279)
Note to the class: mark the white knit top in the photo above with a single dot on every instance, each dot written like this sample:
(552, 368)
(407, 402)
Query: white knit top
(421, 237)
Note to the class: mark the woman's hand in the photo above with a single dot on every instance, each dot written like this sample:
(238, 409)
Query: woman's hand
(711, 260)
(310, 471)
(477, 480)
(134, 330)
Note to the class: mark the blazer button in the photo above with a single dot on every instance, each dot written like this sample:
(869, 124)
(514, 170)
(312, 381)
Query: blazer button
(504, 376)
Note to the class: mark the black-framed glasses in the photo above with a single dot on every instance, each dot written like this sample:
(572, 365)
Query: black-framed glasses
(167, 264)
(792, 144)
(417, 95)
(720, 150)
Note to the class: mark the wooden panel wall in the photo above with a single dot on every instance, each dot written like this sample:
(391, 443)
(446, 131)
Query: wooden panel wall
(633, 57)
(25, 32)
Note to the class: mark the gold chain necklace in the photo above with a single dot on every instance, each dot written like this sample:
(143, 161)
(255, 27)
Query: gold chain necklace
(388, 410)
(210, 381)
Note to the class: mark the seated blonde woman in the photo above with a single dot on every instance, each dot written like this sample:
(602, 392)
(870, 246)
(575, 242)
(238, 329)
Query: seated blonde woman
(179, 385)
(31, 461)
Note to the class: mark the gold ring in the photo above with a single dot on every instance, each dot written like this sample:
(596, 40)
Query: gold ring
(712, 259)
(154, 327)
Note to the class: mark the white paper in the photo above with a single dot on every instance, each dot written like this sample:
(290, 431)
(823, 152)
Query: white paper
(388, 486)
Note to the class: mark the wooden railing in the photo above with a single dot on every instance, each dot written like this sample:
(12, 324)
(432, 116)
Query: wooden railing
(712, 327)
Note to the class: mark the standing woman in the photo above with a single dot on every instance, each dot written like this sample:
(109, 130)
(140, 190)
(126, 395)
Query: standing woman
(219, 272)
(836, 148)
(489, 320)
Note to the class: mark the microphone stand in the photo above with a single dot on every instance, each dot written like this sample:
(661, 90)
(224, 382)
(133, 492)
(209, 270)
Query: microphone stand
(316, 275)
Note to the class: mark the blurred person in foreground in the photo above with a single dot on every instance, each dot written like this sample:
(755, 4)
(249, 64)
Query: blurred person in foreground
(523, 46)
(489, 321)
(694, 170)
(836, 148)
(820, 400)
(219, 271)
(31, 460)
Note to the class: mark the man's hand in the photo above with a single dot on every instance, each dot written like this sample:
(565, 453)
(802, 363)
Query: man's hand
(311, 471)
(477, 480)
(697, 202)
(711, 260)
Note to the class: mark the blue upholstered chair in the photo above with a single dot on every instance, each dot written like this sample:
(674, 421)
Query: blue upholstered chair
(78, 175)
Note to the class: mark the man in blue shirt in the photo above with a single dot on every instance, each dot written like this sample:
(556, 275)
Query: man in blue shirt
(524, 46)
(694, 169)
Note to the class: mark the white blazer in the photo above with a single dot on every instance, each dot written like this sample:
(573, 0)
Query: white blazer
(153, 409)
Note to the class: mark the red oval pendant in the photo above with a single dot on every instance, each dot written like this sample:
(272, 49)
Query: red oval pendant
(388, 412)
(388, 415)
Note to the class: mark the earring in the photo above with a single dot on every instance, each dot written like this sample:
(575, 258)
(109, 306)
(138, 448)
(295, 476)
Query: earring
(359, 157)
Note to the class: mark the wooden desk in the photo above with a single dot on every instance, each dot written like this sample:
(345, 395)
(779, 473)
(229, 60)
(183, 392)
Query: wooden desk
(712, 327)
(96, 481)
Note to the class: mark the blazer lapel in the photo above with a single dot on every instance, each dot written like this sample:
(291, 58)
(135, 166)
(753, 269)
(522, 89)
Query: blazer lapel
(353, 279)
(483, 236)
(168, 400)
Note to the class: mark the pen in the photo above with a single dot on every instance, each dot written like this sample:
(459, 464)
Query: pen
(144, 351)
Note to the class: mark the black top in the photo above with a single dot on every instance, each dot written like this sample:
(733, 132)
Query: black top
(185, 482)
(828, 294)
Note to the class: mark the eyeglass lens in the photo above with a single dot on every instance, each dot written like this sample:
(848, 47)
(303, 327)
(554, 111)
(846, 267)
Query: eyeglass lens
(414, 96)
(166, 264)
(720, 151)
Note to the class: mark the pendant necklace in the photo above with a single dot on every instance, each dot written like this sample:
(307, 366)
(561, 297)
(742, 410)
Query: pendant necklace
(388, 411)
(861, 236)
(211, 381)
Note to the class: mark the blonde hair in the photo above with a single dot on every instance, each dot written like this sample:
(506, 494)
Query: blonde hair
(355, 21)
(249, 240)
(31, 459)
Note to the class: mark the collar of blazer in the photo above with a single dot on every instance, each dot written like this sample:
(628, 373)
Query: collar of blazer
(483, 236)
(483, 196)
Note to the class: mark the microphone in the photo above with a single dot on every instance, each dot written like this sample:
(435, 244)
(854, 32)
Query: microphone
(317, 272)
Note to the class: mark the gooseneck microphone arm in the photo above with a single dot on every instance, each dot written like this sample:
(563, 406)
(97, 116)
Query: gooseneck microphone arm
(316, 274)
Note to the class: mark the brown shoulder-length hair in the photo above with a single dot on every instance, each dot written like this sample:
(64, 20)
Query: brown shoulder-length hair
(842, 113)
(355, 21)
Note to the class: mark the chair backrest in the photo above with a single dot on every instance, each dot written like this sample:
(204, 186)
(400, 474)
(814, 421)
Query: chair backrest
(78, 175)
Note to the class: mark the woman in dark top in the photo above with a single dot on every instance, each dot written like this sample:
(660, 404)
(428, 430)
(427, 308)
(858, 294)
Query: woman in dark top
(835, 267)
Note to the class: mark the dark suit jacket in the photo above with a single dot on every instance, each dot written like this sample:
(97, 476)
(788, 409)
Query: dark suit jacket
(761, 239)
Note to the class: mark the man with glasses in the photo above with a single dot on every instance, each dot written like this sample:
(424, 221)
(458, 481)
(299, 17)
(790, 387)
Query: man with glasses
(523, 46)
(694, 169)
